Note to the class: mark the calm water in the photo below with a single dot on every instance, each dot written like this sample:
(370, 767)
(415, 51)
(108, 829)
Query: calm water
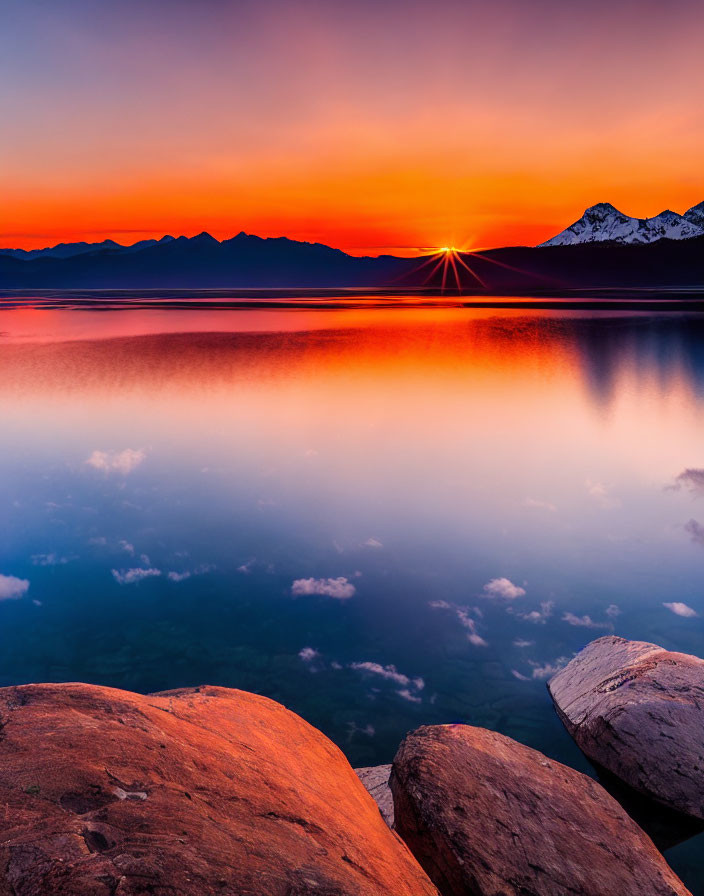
(379, 518)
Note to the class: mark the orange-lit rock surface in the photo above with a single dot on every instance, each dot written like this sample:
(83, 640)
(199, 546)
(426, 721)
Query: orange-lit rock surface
(487, 816)
(186, 793)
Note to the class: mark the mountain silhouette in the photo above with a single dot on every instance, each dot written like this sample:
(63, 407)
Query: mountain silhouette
(248, 261)
(68, 250)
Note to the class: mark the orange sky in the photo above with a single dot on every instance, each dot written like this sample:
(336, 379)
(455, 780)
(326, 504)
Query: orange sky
(374, 127)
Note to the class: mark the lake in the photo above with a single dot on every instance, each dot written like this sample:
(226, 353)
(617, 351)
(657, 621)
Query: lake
(381, 517)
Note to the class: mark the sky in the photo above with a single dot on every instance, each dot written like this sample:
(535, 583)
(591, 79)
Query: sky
(393, 125)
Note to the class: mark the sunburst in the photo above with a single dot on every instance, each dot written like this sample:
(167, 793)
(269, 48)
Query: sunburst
(445, 260)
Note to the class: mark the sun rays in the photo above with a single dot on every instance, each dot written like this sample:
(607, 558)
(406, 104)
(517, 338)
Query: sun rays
(450, 263)
(444, 262)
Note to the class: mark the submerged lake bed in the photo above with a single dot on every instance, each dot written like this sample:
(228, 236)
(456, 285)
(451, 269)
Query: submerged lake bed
(381, 518)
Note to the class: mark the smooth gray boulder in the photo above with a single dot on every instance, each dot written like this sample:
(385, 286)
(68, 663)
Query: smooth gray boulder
(637, 711)
(376, 779)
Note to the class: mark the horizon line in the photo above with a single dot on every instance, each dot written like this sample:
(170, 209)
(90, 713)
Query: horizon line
(418, 251)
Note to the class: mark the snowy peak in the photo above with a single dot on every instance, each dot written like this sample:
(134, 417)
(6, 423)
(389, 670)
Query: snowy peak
(672, 226)
(695, 215)
(600, 223)
(603, 210)
(603, 223)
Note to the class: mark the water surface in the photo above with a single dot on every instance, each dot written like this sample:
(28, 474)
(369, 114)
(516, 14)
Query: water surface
(381, 518)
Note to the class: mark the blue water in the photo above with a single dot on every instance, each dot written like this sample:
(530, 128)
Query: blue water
(381, 519)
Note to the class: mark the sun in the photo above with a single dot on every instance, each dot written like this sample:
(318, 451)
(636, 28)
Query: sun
(448, 262)
(454, 263)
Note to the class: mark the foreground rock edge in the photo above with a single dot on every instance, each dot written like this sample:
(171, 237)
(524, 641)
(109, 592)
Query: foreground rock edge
(485, 815)
(198, 791)
(637, 711)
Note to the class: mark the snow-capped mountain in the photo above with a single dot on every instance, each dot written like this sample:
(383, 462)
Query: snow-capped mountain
(696, 215)
(603, 223)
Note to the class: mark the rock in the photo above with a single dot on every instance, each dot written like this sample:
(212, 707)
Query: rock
(486, 816)
(194, 792)
(376, 779)
(638, 711)
(665, 827)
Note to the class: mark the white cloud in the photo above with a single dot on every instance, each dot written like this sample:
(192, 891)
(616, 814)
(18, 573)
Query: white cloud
(339, 588)
(126, 546)
(540, 505)
(12, 588)
(130, 576)
(388, 672)
(548, 669)
(503, 588)
(541, 672)
(308, 654)
(366, 730)
(680, 609)
(613, 610)
(539, 616)
(463, 615)
(584, 621)
(187, 573)
(521, 642)
(373, 543)
(477, 640)
(601, 495)
(246, 568)
(473, 636)
(407, 695)
(49, 560)
(117, 461)
(409, 688)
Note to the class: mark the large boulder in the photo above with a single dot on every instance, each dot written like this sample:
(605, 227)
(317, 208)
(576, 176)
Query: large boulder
(187, 793)
(486, 816)
(638, 711)
(376, 779)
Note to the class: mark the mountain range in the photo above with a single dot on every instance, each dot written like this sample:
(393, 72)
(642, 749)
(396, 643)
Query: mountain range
(244, 261)
(604, 249)
(68, 250)
(603, 223)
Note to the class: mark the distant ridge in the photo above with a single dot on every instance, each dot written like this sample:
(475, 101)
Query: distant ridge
(607, 260)
(68, 250)
(603, 223)
(200, 261)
